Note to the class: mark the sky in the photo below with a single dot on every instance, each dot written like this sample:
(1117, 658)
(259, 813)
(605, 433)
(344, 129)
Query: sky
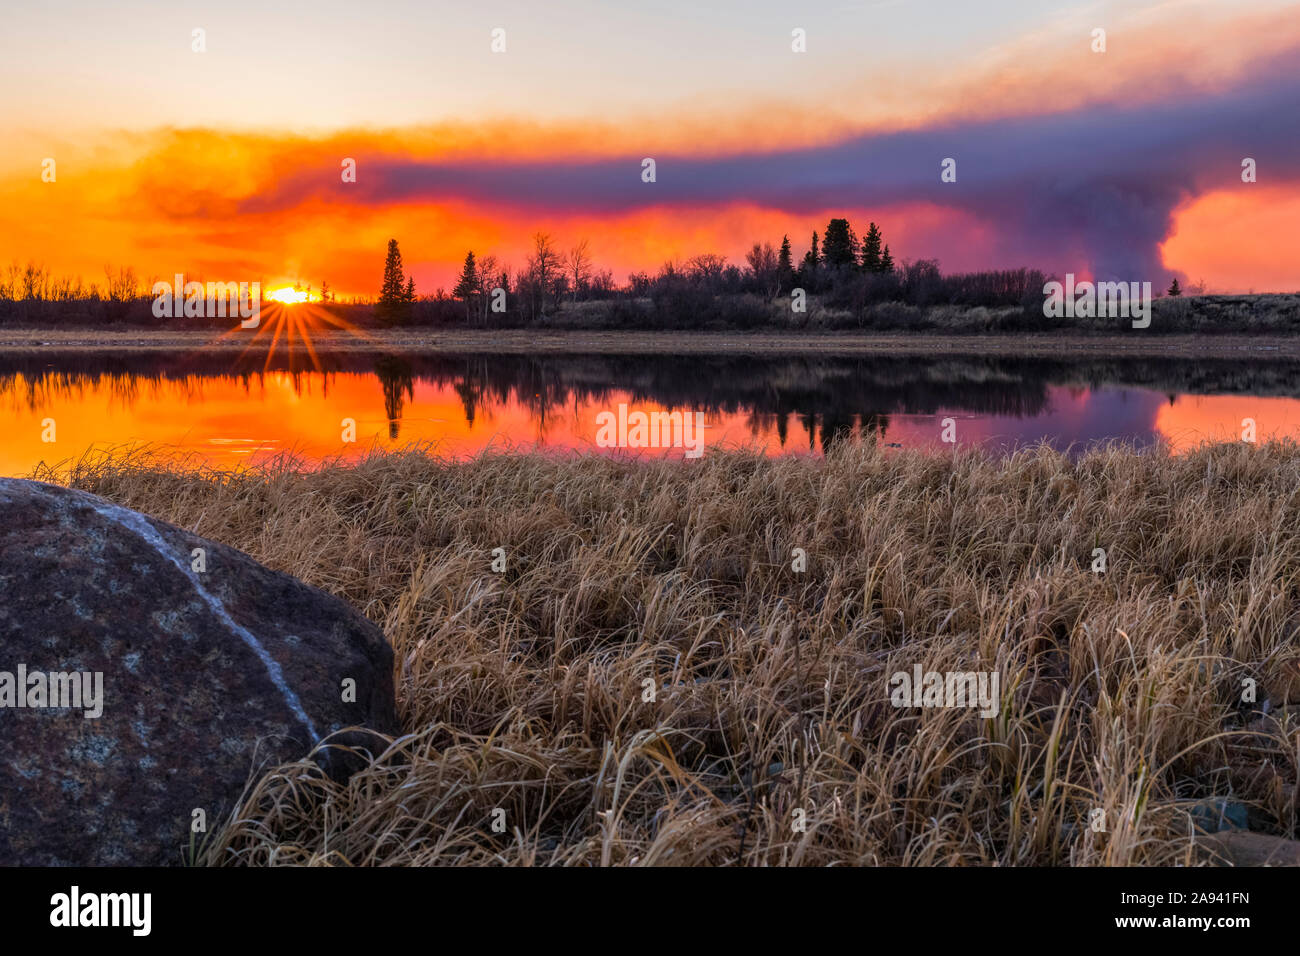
(226, 164)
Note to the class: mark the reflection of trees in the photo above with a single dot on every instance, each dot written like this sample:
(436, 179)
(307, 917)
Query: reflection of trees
(835, 428)
(394, 374)
(809, 422)
(469, 399)
(874, 426)
(833, 397)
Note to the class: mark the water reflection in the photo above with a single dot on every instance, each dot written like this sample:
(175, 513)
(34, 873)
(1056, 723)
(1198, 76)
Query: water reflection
(398, 381)
(229, 408)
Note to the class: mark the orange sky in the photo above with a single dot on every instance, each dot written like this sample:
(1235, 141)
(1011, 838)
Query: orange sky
(184, 197)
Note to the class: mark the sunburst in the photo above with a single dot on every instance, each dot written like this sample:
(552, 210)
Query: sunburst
(291, 315)
(289, 295)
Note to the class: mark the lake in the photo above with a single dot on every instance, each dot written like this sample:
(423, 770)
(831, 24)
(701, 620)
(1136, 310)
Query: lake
(229, 409)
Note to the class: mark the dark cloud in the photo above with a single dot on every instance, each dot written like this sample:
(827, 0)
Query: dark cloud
(1095, 188)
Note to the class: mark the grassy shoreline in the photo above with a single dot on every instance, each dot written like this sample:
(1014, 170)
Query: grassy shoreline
(524, 690)
(528, 341)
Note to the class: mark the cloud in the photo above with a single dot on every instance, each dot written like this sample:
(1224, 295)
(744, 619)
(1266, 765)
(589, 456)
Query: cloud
(1094, 189)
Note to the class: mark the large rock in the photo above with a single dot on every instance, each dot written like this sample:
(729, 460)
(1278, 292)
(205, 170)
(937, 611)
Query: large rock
(208, 676)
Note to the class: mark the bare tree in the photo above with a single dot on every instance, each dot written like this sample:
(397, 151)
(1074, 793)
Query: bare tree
(602, 283)
(671, 269)
(706, 268)
(638, 283)
(765, 264)
(35, 281)
(543, 267)
(488, 277)
(122, 286)
(578, 266)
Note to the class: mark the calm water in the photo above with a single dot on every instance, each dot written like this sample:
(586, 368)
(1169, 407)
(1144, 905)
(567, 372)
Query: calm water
(231, 410)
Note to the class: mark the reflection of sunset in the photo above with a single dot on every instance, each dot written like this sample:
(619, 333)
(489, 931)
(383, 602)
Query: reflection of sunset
(1192, 419)
(228, 420)
(227, 423)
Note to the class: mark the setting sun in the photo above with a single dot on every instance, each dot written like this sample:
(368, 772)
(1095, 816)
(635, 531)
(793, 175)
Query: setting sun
(288, 296)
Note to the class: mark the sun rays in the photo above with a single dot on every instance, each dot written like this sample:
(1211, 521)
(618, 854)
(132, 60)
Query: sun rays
(290, 322)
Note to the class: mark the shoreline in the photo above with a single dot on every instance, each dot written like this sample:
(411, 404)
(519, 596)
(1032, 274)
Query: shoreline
(533, 341)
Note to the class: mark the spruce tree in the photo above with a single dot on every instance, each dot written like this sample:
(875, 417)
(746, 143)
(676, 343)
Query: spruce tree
(783, 260)
(392, 288)
(1175, 288)
(785, 263)
(808, 267)
(392, 295)
(871, 260)
(886, 261)
(467, 285)
(840, 245)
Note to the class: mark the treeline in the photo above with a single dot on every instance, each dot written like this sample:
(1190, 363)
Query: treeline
(838, 273)
(841, 282)
(31, 292)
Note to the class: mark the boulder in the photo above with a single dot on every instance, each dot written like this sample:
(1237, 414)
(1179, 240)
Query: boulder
(147, 673)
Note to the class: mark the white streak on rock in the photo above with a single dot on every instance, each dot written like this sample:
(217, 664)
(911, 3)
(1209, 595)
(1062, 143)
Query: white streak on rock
(136, 522)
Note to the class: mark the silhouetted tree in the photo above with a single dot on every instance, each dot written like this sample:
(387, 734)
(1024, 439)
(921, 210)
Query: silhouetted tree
(763, 263)
(638, 283)
(578, 266)
(543, 269)
(785, 264)
(808, 268)
(706, 269)
(467, 286)
(488, 279)
(886, 261)
(393, 305)
(813, 255)
(871, 257)
(840, 245)
(1175, 288)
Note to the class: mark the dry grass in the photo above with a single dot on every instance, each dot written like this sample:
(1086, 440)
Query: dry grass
(523, 690)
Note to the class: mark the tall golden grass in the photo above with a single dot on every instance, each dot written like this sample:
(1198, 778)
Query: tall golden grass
(523, 690)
